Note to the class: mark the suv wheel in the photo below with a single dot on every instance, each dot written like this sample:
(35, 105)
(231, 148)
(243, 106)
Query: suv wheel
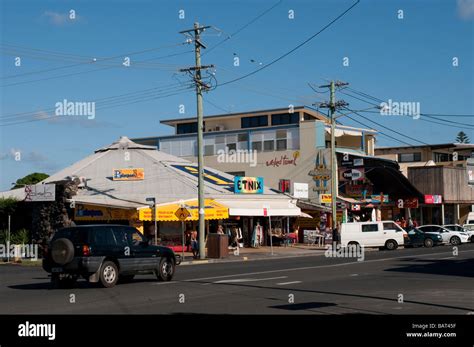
(455, 241)
(428, 243)
(165, 270)
(108, 274)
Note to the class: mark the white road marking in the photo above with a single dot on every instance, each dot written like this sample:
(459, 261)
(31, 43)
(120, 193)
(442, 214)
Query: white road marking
(314, 267)
(287, 283)
(243, 280)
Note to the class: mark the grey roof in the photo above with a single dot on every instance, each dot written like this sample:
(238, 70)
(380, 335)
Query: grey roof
(161, 178)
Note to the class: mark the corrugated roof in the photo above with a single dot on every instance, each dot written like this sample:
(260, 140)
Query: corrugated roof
(163, 177)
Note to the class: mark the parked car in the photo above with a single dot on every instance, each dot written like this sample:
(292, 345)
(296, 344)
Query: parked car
(470, 230)
(470, 218)
(105, 254)
(416, 238)
(467, 228)
(385, 234)
(449, 236)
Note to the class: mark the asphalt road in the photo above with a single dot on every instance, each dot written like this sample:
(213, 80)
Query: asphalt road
(431, 281)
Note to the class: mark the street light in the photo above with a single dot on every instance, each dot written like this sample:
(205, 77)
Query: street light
(154, 217)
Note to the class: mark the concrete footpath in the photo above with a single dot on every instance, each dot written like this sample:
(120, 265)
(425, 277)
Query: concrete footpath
(262, 253)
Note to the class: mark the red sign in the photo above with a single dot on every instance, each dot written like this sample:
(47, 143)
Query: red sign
(433, 199)
(410, 203)
(265, 212)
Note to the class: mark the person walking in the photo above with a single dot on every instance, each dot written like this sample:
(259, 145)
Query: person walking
(194, 244)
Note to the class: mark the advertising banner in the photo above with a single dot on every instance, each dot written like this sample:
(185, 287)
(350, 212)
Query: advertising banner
(128, 174)
(248, 185)
(433, 199)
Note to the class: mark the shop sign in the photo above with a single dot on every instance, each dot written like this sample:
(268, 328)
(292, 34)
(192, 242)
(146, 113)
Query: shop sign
(353, 162)
(40, 192)
(470, 171)
(128, 174)
(407, 203)
(300, 190)
(284, 160)
(90, 212)
(355, 207)
(433, 199)
(321, 173)
(325, 198)
(248, 185)
(358, 190)
(351, 174)
(375, 199)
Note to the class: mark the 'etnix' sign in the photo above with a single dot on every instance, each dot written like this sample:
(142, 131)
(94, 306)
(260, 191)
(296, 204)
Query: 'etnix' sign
(248, 185)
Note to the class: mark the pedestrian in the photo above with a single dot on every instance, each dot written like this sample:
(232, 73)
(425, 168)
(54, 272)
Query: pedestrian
(188, 240)
(194, 244)
(403, 223)
(220, 230)
(410, 223)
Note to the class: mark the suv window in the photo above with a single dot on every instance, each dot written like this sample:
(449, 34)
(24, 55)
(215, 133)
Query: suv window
(104, 237)
(370, 227)
(120, 236)
(76, 235)
(134, 237)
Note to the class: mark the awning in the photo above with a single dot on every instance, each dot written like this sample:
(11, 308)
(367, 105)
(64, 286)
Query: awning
(83, 212)
(255, 207)
(305, 215)
(344, 132)
(166, 212)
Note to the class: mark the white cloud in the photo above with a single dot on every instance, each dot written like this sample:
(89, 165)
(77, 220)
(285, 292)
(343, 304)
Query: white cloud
(60, 19)
(465, 9)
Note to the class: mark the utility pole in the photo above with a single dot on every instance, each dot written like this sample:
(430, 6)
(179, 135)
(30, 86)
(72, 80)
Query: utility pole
(195, 35)
(333, 105)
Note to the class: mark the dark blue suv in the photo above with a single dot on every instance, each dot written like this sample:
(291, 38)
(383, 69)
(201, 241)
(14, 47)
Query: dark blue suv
(105, 254)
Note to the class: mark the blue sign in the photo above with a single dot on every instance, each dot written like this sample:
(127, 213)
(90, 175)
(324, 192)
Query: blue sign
(248, 185)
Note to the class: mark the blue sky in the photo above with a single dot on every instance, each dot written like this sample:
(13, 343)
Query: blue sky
(407, 59)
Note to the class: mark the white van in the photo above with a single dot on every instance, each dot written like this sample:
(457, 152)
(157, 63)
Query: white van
(372, 234)
(470, 218)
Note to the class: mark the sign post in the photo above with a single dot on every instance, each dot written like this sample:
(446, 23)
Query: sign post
(182, 213)
(266, 212)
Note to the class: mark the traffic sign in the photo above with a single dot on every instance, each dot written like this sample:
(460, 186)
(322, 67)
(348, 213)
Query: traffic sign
(182, 214)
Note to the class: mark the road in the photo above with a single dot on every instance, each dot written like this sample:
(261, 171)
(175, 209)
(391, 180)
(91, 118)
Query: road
(430, 281)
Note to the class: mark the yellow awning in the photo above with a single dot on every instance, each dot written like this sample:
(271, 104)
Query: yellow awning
(212, 210)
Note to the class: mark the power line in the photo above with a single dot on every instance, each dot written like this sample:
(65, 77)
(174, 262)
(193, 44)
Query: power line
(383, 126)
(294, 49)
(242, 27)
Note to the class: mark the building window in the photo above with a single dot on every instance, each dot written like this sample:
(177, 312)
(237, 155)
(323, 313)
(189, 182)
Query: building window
(409, 157)
(209, 150)
(438, 157)
(231, 146)
(187, 128)
(284, 186)
(257, 146)
(269, 145)
(254, 122)
(285, 118)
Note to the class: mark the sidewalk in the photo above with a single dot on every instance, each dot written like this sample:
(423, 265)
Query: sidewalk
(262, 253)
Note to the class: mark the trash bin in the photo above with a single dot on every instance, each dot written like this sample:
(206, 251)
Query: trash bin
(217, 246)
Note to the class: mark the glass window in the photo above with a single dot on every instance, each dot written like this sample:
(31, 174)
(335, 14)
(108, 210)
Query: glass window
(285, 118)
(243, 145)
(242, 137)
(209, 150)
(120, 236)
(269, 145)
(257, 146)
(231, 146)
(134, 237)
(281, 134)
(370, 227)
(104, 237)
(220, 147)
(281, 145)
(231, 138)
(391, 226)
(220, 139)
(253, 122)
(186, 128)
(409, 157)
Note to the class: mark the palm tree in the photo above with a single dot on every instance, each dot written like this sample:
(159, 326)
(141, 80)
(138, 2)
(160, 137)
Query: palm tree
(462, 137)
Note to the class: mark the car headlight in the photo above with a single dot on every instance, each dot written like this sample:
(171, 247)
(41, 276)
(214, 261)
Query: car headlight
(440, 237)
